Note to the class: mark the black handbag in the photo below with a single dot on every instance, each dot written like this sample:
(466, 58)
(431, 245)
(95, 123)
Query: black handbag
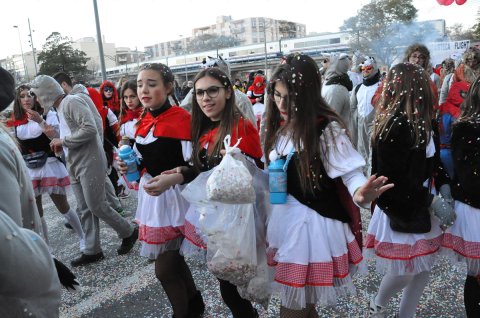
(35, 159)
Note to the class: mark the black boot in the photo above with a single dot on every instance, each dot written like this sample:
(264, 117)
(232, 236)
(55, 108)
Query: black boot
(128, 242)
(196, 306)
(85, 259)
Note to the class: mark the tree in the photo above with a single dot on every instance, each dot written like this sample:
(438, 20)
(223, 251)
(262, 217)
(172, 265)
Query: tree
(383, 28)
(456, 32)
(476, 27)
(58, 55)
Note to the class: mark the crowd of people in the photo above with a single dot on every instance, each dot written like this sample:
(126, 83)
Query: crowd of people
(404, 144)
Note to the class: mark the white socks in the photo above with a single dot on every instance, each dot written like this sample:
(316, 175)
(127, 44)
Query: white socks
(412, 286)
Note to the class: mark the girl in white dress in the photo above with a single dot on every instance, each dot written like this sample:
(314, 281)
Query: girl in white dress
(463, 238)
(46, 170)
(403, 235)
(311, 247)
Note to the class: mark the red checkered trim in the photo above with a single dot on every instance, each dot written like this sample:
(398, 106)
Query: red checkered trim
(354, 253)
(192, 236)
(315, 274)
(51, 182)
(158, 235)
(460, 246)
(399, 251)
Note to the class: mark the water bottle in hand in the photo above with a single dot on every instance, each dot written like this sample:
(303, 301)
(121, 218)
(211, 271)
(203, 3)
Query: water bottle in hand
(129, 156)
(277, 181)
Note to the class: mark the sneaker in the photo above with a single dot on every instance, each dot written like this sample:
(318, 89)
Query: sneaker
(121, 211)
(85, 259)
(196, 306)
(128, 242)
(375, 310)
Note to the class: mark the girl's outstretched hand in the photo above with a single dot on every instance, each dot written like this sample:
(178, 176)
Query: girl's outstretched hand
(371, 190)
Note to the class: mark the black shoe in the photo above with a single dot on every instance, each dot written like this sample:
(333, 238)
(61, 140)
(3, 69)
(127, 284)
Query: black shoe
(196, 306)
(68, 226)
(128, 242)
(85, 259)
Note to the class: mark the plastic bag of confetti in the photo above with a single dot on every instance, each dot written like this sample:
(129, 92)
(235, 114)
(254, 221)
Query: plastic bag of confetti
(230, 181)
(258, 288)
(231, 253)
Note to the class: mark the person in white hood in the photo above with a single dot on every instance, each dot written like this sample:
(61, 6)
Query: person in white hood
(86, 164)
(362, 112)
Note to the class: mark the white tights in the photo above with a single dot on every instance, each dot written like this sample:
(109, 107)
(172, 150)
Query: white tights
(412, 286)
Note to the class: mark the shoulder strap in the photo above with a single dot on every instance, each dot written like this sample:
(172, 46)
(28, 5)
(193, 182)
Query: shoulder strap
(356, 89)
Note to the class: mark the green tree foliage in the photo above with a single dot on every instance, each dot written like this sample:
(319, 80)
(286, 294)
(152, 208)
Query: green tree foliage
(476, 27)
(58, 55)
(456, 32)
(383, 28)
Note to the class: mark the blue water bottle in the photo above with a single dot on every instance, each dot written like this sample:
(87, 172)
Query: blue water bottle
(129, 156)
(277, 182)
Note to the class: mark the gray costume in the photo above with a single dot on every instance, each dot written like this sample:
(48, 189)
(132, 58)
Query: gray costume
(29, 282)
(82, 92)
(337, 95)
(86, 162)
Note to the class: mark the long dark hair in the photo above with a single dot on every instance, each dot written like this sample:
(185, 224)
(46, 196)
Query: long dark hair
(131, 84)
(305, 107)
(407, 92)
(470, 108)
(18, 111)
(201, 123)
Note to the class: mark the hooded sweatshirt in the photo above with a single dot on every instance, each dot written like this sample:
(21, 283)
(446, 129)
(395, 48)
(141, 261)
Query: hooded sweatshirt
(335, 89)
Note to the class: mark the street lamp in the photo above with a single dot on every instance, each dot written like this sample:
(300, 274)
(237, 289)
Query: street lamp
(21, 50)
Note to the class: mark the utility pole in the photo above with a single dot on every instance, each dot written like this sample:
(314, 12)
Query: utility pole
(25, 70)
(33, 48)
(99, 42)
(265, 42)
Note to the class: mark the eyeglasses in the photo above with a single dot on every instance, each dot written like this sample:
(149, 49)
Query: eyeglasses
(108, 89)
(212, 92)
(277, 97)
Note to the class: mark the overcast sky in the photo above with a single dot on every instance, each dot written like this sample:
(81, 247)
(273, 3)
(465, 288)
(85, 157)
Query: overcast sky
(144, 22)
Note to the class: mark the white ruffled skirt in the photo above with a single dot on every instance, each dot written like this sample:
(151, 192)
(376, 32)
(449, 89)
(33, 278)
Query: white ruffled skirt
(161, 220)
(461, 241)
(52, 178)
(400, 253)
(312, 257)
(195, 243)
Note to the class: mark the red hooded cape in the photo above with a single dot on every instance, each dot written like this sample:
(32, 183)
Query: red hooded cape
(172, 123)
(250, 143)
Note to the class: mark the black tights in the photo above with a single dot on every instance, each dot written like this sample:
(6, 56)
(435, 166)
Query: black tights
(173, 273)
(471, 295)
(240, 308)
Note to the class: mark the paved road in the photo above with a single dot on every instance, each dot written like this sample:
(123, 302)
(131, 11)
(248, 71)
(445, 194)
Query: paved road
(125, 286)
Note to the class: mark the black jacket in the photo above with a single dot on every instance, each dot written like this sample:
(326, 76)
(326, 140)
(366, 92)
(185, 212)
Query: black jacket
(466, 162)
(407, 203)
